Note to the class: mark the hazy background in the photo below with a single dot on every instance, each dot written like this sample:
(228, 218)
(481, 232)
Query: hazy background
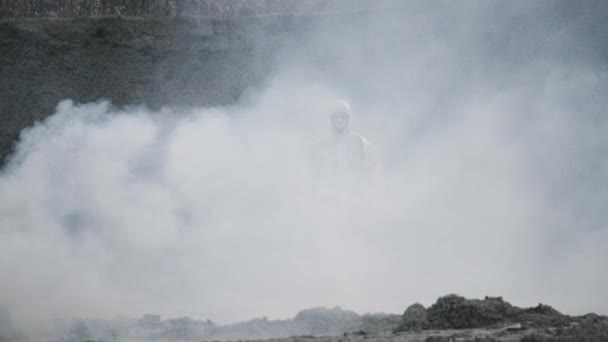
(487, 118)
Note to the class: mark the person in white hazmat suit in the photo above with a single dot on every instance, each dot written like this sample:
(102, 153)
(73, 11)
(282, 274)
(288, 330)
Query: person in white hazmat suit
(343, 158)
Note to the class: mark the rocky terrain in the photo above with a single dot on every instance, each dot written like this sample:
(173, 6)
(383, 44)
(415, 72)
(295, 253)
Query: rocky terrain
(451, 318)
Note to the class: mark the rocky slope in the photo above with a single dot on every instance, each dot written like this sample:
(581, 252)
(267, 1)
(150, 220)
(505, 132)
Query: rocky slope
(450, 318)
(454, 318)
(154, 62)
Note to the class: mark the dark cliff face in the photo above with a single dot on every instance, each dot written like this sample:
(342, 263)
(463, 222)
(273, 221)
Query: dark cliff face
(155, 62)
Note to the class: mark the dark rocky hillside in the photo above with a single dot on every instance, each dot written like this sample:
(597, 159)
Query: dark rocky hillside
(451, 318)
(156, 62)
(130, 61)
(197, 61)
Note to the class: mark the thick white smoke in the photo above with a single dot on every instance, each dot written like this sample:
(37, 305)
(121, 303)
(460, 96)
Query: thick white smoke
(215, 212)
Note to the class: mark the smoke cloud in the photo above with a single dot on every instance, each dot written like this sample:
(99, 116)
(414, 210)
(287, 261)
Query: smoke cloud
(490, 180)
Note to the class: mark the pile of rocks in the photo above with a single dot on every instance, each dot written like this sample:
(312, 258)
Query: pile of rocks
(539, 323)
(456, 312)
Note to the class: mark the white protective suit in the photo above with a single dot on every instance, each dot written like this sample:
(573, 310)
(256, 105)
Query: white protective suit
(343, 155)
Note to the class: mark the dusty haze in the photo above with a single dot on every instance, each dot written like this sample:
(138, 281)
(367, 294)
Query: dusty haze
(487, 123)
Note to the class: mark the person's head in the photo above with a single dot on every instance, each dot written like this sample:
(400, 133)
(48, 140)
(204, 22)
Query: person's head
(340, 116)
